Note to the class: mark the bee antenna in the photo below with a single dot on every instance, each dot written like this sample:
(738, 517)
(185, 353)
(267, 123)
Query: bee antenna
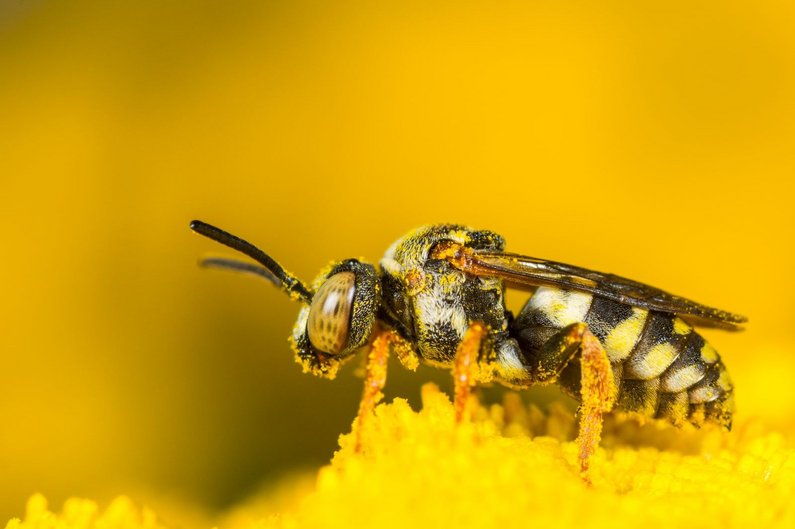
(240, 266)
(272, 270)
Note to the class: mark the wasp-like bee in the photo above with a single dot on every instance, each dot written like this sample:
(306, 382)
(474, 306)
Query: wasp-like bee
(437, 296)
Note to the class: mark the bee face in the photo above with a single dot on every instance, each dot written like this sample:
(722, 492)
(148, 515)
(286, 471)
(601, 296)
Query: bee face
(340, 318)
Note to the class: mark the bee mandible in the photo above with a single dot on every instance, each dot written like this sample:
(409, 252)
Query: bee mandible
(438, 297)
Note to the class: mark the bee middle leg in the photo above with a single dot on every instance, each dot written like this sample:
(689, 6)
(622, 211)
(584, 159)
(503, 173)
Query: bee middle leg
(597, 387)
(465, 368)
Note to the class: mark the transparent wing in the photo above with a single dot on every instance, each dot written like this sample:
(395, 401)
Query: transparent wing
(524, 270)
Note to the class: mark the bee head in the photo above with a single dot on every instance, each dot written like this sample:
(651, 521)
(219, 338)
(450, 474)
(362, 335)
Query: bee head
(339, 319)
(339, 311)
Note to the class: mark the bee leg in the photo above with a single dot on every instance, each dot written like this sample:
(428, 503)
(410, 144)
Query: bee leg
(598, 394)
(597, 387)
(374, 380)
(405, 353)
(465, 368)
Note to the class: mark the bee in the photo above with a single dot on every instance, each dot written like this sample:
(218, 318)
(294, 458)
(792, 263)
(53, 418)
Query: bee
(438, 297)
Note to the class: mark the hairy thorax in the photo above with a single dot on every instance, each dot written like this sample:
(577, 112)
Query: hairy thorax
(430, 302)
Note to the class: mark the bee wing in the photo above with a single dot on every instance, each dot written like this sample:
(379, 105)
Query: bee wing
(524, 270)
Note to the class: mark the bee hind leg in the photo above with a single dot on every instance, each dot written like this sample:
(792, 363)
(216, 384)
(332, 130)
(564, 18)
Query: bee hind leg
(598, 394)
(597, 387)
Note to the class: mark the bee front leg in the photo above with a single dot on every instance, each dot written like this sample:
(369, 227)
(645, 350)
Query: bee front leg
(597, 387)
(374, 380)
(465, 368)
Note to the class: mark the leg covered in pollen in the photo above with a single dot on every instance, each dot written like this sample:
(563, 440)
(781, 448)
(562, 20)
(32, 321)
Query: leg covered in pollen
(375, 379)
(598, 393)
(466, 369)
(597, 386)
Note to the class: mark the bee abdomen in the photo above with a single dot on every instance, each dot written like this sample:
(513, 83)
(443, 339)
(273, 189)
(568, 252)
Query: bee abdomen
(672, 373)
(661, 366)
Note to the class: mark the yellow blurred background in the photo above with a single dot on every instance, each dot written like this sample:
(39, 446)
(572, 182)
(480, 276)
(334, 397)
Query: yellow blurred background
(653, 141)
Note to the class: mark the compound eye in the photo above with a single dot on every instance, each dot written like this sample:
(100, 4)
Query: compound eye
(330, 313)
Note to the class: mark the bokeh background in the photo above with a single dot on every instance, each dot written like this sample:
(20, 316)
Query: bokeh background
(654, 140)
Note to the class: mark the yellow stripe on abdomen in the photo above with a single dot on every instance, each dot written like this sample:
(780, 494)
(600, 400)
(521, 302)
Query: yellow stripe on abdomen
(560, 307)
(622, 339)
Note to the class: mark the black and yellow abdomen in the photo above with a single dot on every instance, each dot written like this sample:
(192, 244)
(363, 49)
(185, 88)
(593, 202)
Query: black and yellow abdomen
(662, 367)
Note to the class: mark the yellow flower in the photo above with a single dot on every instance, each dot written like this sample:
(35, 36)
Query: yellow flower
(85, 514)
(419, 470)
(511, 466)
